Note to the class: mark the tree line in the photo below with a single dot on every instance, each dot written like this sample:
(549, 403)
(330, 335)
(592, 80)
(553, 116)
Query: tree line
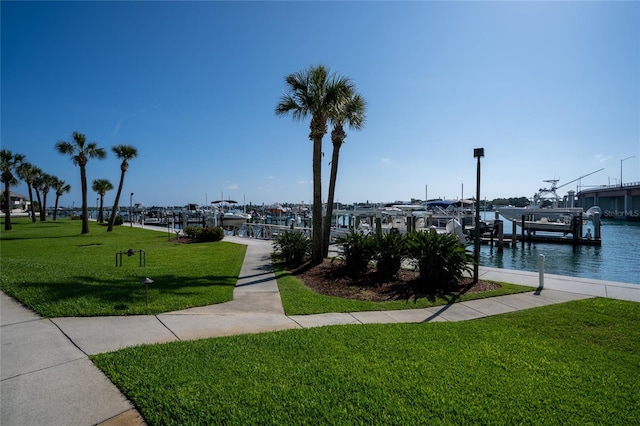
(14, 166)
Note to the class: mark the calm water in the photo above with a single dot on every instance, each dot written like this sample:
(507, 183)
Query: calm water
(618, 259)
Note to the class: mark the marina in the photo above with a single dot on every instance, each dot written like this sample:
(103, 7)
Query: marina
(617, 258)
(579, 241)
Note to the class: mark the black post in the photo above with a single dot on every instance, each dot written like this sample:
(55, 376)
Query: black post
(477, 153)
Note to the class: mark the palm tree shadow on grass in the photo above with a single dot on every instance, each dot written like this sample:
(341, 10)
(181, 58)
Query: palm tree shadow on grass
(121, 296)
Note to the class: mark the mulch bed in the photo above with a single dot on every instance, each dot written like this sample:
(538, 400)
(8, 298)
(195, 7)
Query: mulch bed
(329, 278)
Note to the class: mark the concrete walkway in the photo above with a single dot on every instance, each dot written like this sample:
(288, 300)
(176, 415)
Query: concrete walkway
(47, 378)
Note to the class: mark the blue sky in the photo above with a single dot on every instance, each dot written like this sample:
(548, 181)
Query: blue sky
(549, 89)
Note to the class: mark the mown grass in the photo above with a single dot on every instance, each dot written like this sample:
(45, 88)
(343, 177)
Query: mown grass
(297, 299)
(574, 363)
(53, 269)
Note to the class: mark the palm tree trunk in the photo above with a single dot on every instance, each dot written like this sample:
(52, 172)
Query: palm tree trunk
(7, 206)
(115, 203)
(326, 236)
(31, 207)
(100, 218)
(43, 207)
(39, 203)
(85, 208)
(316, 247)
(55, 209)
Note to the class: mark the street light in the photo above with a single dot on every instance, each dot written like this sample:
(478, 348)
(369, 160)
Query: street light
(633, 156)
(130, 210)
(477, 153)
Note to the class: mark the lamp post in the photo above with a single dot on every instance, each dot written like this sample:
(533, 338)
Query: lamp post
(633, 156)
(131, 210)
(477, 153)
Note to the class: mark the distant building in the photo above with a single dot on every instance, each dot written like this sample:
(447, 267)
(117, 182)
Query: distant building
(19, 202)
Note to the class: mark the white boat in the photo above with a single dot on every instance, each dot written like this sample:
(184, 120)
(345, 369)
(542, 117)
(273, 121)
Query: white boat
(234, 217)
(544, 207)
(221, 214)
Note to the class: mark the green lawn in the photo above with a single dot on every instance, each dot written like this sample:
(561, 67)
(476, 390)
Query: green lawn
(57, 272)
(575, 363)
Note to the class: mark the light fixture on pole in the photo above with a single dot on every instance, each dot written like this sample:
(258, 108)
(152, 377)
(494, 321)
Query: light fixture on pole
(146, 281)
(477, 153)
(131, 210)
(633, 156)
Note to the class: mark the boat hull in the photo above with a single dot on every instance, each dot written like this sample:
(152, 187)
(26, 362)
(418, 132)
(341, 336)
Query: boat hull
(551, 214)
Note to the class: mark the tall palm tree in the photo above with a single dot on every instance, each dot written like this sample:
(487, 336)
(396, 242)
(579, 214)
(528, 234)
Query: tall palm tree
(101, 186)
(61, 187)
(81, 151)
(9, 163)
(124, 153)
(28, 172)
(47, 182)
(312, 93)
(350, 112)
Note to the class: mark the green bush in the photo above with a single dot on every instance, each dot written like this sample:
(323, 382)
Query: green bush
(119, 220)
(356, 252)
(441, 259)
(193, 231)
(211, 234)
(294, 246)
(388, 250)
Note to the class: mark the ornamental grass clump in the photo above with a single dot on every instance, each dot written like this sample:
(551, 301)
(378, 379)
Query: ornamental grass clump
(357, 252)
(388, 250)
(440, 258)
(294, 246)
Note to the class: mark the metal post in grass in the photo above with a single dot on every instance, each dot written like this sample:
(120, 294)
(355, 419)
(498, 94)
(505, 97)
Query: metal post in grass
(477, 153)
(541, 272)
(146, 281)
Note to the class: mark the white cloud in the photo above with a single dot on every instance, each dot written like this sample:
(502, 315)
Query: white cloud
(602, 158)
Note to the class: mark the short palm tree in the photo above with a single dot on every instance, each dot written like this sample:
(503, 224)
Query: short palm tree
(61, 187)
(28, 172)
(47, 183)
(124, 153)
(350, 112)
(101, 186)
(313, 93)
(9, 163)
(81, 151)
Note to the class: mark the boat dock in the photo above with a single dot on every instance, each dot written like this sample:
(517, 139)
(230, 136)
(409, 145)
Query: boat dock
(538, 230)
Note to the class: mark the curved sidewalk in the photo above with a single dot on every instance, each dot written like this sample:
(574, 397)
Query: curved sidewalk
(47, 378)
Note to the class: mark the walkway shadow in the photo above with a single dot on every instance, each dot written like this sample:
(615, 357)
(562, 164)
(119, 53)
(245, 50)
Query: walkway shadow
(450, 303)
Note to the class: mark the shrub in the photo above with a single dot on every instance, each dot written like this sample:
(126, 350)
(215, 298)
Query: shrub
(119, 220)
(356, 252)
(193, 231)
(388, 250)
(441, 259)
(294, 246)
(207, 234)
(211, 234)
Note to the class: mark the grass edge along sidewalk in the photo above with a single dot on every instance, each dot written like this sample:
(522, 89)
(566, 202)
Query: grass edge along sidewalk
(574, 363)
